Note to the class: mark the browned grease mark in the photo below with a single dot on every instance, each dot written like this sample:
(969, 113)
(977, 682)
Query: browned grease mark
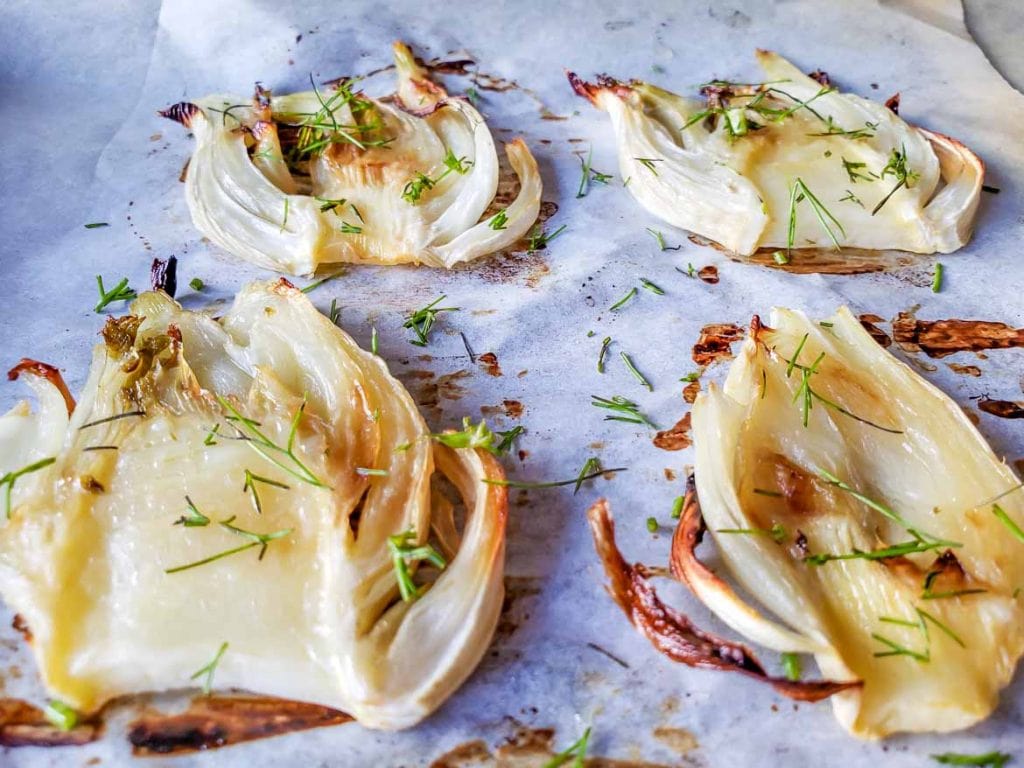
(526, 747)
(513, 408)
(708, 274)
(670, 474)
(868, 321)
(1004, 409)
(690, 392)
(965, 370)
(513, 611)
(20, 626)
(679, 740)
(25, 725)
(489, 362)
(938, 338)
(218, 721)
(714, 343)
(826, 261)
(676, 438)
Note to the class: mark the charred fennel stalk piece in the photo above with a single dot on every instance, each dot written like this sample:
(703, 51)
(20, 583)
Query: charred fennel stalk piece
(297, 181)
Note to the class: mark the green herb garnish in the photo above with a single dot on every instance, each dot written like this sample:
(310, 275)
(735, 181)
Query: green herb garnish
(624, 300)
(791, 666)
(633, 370)
(120, 292)
(60, 715)
(539, 240)
(897, 168)
(11, 477)
(499, 221)
(268, 449)
(207, 671)
(989, 759)
(250, 485)
(651, 287)
(937, 279)
(261, 540)
(577, 753)
(422, 320)
(404, 550)
(602, 353)
(628, 410)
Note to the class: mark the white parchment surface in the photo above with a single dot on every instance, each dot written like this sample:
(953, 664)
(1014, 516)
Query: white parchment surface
(82, 147)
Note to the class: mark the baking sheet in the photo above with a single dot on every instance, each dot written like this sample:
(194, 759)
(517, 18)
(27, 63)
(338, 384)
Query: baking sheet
(533, 312)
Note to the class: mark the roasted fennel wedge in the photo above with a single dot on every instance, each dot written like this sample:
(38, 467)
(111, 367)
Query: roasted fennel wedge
(252, 491)
(868, 520)
(789, 163)
(292, 182)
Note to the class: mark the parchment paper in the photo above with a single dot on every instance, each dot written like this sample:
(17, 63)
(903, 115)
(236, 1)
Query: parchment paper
(533, 312)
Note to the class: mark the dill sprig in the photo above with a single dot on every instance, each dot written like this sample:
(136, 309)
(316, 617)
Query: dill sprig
(11, 477)
(577, 752)
(60, 715)
(895, 550)
(937, 278)
(588, 174)
(807, 395)
(1000, 513)
(633, 370)
(250, 485)
(853, 170)
(404, 550)
(539, 239)
(421, 183)
(897, 168)
(261, 540)
(851, 198)
(604, 351)
(799, 193)
(115, 417)
(831, 129)
(194, 518)
(624, 300)
(625, 409)
(591, 469)
(320, 129)
(422, 320)
(207, 671)
(986, 760)
(498, 221)
(249, 431)
(350, 229)
(659, 238)
(120, 292)
(651, 287)
(648, 163)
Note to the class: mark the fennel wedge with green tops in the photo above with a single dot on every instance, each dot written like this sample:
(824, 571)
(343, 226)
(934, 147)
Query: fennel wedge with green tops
(789, 163)
(246, 502)
(297, 181)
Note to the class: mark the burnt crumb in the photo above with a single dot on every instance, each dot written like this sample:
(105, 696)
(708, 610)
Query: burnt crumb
(163, 275)
(1004, 409)
(893, 103)
(675, 438)
(513, 408)
(868, 321)
(19, 625)
(714, 343)
(821, 77)
(708, 274)
(489, 362)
